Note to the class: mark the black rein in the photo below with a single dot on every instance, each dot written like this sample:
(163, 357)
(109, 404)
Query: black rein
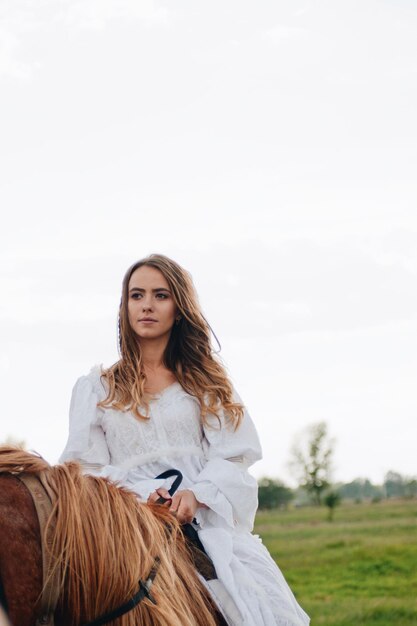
(144, 592)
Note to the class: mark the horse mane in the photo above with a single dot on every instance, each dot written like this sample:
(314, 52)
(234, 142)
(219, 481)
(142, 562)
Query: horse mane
(15, 460)
(105, 540)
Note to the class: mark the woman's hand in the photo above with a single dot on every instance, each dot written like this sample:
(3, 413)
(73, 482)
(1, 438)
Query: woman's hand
(183, 505)
(161, 492)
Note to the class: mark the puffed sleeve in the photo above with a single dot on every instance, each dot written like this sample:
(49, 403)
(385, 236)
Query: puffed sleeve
(86, 440)
(225, 485)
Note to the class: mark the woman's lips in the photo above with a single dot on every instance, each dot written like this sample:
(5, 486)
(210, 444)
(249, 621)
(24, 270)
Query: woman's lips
(147, 321)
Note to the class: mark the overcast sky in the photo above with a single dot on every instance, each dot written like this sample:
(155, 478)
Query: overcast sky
(268, 147)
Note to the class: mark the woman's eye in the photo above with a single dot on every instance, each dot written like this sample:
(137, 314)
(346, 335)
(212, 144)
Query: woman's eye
(160, 296)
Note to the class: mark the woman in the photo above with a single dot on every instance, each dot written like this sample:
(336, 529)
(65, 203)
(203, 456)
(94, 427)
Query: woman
(168, 403)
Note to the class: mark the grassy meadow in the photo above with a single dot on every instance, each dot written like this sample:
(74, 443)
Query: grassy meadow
(359, 570)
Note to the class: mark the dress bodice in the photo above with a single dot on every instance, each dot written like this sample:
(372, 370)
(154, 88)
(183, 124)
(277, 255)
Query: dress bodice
(173, 428)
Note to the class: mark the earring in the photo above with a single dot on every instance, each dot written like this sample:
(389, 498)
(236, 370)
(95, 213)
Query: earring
(177, 320)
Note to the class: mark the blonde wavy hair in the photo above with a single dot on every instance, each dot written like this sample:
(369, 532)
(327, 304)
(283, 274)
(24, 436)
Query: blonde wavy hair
(188, 354)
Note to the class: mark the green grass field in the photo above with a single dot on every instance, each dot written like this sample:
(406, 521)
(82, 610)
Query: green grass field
(360, 569)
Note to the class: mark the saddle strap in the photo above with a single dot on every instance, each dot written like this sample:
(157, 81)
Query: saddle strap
(43, 498)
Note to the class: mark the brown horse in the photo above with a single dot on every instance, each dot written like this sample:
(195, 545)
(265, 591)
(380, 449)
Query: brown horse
(104, 542)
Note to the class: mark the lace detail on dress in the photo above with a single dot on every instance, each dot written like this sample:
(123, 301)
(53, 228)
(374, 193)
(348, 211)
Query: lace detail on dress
(174, 424)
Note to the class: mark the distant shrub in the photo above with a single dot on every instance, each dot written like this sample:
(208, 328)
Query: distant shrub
(332, 500)
(273, 494)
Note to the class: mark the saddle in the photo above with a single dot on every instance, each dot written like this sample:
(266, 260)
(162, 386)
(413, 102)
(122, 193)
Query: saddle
(202, 562)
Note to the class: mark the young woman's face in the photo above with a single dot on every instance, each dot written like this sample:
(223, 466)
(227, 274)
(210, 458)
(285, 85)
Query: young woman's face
(150, 297)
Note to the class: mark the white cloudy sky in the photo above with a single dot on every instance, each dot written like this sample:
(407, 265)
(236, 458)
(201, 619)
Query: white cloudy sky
(270, 148)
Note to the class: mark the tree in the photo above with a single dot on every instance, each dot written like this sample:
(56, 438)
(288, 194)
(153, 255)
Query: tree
(311, 460)
(398, 486)
(394, 484)
(359, 489)
(411, 488)
(273, 494)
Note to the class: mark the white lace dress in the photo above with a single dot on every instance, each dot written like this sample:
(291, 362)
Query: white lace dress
(251, 591)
